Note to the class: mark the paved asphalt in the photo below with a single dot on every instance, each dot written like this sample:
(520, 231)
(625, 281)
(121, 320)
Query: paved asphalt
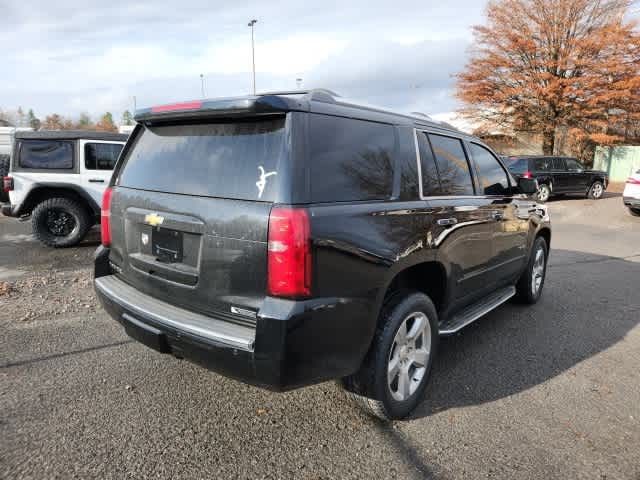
(550, 391)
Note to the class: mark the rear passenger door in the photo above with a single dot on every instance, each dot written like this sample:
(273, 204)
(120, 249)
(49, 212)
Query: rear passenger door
(462, 228)
(510, 226)
(97, 160)
(560, 176)
(576, 176)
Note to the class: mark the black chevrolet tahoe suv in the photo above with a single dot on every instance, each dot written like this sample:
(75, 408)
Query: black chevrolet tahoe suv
(293, 238)
(559, 176)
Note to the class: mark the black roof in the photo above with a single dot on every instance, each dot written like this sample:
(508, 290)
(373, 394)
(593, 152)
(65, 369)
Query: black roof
(71, 135)
(315, 101)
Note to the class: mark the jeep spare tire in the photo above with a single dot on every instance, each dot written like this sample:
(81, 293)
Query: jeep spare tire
(60, 222)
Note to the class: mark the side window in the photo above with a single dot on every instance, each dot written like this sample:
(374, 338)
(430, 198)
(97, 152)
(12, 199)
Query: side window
(558, 164)
(430, 178)
(350, 159)
(455, 177)
(46, 154)
(573, 164)
(493, 178)
(543, 164)
(101, 156)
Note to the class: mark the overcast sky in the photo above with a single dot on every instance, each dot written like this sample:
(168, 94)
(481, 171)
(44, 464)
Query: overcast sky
(68, 57)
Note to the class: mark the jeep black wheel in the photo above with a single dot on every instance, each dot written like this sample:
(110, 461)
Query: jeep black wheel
(529, 287)
(60, 222)
(634, 211)
(392, 380)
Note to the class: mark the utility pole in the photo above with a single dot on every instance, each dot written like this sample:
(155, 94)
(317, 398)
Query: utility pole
(253, 53)
(202, 84)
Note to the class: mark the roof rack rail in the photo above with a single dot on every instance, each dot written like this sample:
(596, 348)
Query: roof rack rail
(318, 94)
(420, 114)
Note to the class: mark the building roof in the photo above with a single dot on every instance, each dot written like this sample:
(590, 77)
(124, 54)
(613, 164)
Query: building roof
(71, 135)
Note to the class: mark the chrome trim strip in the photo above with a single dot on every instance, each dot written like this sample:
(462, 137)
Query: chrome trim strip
(116, 290)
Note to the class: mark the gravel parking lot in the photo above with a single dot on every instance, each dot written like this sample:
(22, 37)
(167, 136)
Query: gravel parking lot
(551, 391)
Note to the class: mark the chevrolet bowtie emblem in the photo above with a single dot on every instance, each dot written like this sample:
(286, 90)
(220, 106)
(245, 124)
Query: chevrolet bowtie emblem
(153, 219)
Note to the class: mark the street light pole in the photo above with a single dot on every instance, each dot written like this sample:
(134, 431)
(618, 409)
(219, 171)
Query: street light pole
(202, 84)
(253, 53)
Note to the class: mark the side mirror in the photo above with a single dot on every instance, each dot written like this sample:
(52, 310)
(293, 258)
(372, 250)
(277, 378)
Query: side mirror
(528, 186)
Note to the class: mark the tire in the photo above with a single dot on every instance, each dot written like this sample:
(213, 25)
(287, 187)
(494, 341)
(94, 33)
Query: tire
(379, 395)
(634, 211)
(596, 191)
(544, 193)
(60, 222)
(4, 165)
(525, 291)
(4, 171)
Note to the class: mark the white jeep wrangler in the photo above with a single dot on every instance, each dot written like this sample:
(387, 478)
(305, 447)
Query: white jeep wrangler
(57, 178)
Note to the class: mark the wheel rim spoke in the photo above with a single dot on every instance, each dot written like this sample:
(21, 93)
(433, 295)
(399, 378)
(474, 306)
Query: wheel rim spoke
(420, 358)
(404, 383)
(416, 328)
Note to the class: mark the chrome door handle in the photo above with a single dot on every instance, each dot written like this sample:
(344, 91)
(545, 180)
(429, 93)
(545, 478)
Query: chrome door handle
(447, 222)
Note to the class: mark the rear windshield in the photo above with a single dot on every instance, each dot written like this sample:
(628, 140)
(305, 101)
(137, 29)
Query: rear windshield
(46, 154)
(517, 165)
(229, 160)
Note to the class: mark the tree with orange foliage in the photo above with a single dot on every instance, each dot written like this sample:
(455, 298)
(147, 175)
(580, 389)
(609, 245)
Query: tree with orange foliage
(106, 123)
(538, 65)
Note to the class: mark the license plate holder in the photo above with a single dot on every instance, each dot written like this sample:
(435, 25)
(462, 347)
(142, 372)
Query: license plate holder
(166, 245)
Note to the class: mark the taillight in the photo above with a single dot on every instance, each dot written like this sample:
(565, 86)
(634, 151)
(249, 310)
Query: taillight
(7, 184)
(631, 180)
(289, 253)
(527, 174)
(105, 217)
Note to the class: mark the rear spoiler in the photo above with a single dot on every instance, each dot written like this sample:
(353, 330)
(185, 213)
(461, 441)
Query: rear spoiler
(225, 107)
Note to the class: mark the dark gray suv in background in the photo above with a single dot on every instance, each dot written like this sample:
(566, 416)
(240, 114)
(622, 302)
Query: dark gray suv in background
(289, 239)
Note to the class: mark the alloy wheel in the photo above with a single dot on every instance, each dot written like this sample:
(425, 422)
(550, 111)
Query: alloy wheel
(537, 273)
(543, 193)
(409, 356)
(597, 190)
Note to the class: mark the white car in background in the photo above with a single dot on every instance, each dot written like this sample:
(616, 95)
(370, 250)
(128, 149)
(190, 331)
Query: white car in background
(631, 194)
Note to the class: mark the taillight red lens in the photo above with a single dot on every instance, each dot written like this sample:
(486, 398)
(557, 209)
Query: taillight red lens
(289, 253)
(527, 175)
(7, 184)
(105, 217)
(633, 181)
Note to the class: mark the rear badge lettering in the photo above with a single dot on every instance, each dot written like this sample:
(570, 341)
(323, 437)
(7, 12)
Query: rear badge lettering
(262, 181)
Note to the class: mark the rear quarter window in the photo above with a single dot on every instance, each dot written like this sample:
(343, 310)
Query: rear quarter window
(236, 160)
(101, 156)
(350, 159)
(517, 165)
(46, 154)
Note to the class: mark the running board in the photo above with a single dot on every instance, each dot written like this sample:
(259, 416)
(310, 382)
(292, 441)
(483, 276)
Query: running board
(474, 311)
